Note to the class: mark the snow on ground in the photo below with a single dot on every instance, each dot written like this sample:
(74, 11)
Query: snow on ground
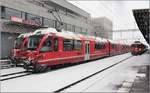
(112, 79)
(11, 70)
(53, 80)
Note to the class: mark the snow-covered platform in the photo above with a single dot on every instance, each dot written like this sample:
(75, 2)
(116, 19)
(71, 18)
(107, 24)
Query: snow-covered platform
(110, 80)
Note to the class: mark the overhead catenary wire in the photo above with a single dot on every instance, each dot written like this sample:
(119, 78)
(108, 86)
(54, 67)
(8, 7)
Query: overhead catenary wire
(52, 10)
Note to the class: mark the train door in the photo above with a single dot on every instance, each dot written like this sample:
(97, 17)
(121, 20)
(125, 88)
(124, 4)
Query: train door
(87, 50)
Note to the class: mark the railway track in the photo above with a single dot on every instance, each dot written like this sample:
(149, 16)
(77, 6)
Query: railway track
(14, 75)
(87, 77)
(5, 64)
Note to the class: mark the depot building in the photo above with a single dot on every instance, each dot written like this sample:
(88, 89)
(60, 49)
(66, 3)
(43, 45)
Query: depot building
(21, 16)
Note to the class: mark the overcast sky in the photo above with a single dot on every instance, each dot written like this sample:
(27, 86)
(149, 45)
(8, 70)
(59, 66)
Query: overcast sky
(120, 12)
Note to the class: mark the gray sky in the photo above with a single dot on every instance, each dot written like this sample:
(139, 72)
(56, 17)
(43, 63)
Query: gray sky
(120, 12)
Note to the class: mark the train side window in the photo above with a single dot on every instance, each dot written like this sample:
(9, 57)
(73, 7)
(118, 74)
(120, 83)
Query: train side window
(47, 45)
(104, 45)
(77, 45)
(113, 46)
(56, 44)
(99, 45)
(68, 44)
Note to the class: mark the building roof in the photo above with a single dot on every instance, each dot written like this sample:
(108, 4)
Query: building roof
(142, 19)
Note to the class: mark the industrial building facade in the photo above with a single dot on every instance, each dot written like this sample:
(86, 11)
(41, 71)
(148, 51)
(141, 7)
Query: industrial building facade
(21, 16)
(103, 27)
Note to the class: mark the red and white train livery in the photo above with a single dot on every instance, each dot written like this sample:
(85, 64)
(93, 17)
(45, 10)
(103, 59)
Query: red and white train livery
(48, 47)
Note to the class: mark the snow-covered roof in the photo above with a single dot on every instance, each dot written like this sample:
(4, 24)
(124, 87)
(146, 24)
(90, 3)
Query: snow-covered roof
(63, 33)
(25, 35)
(101, 39)
(45, 31)
(68, 34)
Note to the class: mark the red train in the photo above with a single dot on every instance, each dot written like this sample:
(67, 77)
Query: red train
(47, 47)
(138, 48)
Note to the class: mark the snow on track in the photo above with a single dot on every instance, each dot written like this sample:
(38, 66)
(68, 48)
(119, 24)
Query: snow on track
(56, 79)
(112, 79)
(14, 75)
(11, 70)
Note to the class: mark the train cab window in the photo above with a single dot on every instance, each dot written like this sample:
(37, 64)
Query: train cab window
(47, 45)
(18, 42)
(68, 44)
(34, 42)
(25, 46)
(55, 44)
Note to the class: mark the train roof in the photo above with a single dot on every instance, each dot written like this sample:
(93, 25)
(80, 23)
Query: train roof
(24, 35)
(72, 35)
(119, 42)
(68, 34)
(137, 42)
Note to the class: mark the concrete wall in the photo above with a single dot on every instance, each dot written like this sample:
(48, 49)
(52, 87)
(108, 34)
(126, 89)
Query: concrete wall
(28, 7)
(7, 42)
(103, 27)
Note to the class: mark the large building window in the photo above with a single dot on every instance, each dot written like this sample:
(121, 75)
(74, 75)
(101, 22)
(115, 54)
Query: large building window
(23, 15)
(64, 26)
(35, 18)
(8, 12)
(73, 28)
(69, 27)
(78, 30)
(48, 23)
(2, 11)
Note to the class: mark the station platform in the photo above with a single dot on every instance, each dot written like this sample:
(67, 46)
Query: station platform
(141, 82)
(124, 73)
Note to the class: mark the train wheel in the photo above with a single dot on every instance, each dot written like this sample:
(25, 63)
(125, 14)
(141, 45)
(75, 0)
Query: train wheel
(48, 68)
(39, 68)
(36, 68)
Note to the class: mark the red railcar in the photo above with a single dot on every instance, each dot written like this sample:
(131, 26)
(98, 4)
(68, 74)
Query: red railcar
(47, 47)
(138, 48)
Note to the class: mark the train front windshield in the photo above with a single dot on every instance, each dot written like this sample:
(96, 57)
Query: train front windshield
(18, 42)
(135, 45)
(34, 42)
